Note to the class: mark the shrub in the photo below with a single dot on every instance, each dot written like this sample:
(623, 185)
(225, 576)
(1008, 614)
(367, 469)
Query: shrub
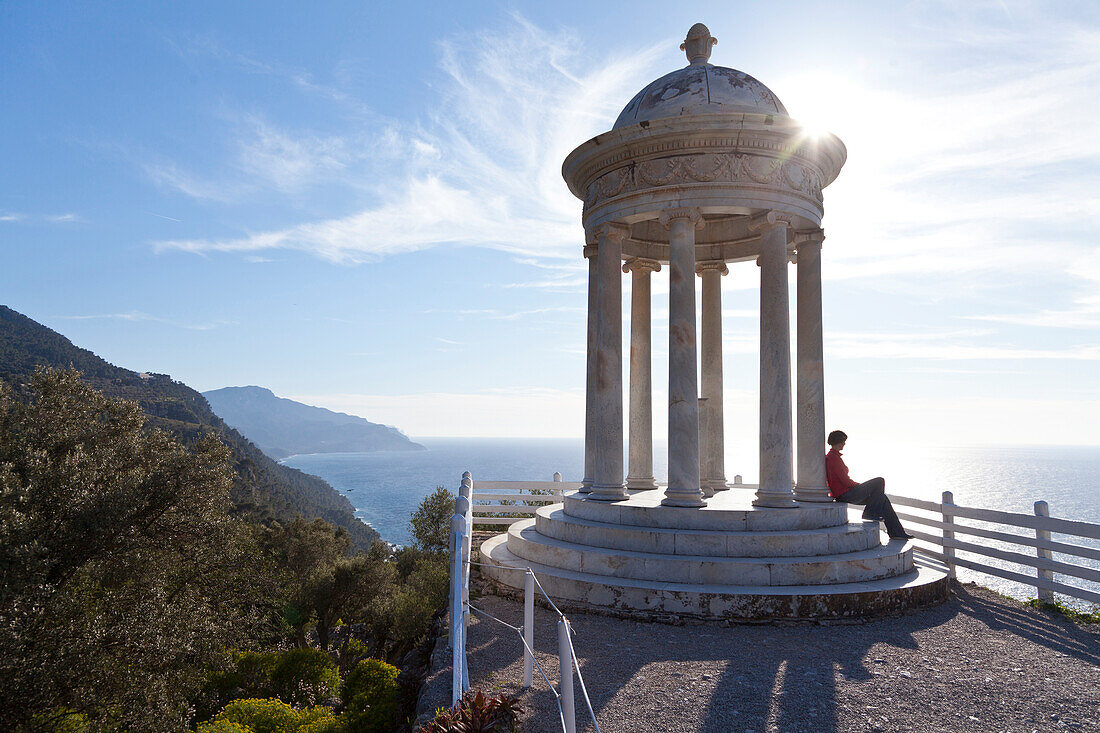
(222, 726)
(370, 697)
(259, 716)
(265, 716)
(305, 677)
(477, 713)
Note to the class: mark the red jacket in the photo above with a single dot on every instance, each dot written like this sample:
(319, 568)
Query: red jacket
(836, 474)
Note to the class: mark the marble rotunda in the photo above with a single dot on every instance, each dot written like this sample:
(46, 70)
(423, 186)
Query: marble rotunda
(704, 170)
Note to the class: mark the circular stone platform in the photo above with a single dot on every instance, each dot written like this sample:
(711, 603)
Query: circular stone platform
(726, 560)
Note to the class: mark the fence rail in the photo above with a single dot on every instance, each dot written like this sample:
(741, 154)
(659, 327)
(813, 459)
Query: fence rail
(1041, 525)
(502, 503)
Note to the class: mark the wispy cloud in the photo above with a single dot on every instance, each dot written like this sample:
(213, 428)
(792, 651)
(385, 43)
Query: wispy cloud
(486, 172)
(960, 345)
(65, 218)
(138, 317)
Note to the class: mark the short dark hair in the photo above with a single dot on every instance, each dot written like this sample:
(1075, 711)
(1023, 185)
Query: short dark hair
(837, 436)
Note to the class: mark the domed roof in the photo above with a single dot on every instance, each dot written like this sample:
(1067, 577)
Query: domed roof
(699, 88)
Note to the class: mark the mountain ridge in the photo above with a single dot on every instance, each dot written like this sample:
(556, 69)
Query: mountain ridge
(283, 427)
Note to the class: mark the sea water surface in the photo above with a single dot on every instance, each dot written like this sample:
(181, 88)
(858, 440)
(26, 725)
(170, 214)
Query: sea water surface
(385, 487)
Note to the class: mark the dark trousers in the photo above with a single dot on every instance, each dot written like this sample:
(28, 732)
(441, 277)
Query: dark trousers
(876, 505)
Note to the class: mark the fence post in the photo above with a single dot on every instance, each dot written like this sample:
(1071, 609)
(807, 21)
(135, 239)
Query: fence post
(1043, 535)
(528, 627)
(467, 490)
(737, 480)
(565, 672)
(458, 642)
(948, 499)
(556, 491)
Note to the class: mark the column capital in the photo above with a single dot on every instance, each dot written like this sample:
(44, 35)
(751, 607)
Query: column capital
(590, 251)
(610, 230)
(810, 237)
(641, 264)
(768, 219)
(691, 213)
(817, 234)
(719, 265)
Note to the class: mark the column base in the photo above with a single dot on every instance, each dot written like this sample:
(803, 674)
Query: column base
(607, 492)
(640, 483)
(717, 484)
(813, 494)
(690, 499)
(775, 499)
(586, 486)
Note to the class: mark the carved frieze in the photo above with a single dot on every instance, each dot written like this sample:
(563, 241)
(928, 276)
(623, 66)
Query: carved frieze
(706, 168)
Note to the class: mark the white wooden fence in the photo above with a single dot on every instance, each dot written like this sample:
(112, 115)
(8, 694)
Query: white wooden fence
(505, 502)
(1032, 531)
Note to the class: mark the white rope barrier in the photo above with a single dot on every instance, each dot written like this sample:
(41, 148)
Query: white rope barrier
(461, 547)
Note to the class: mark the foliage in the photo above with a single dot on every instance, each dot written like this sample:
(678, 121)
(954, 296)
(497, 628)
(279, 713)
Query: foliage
(476, 713)
(223, 726)
(266, 716)
(430, 524)
(1073, 614)
(262, 490)
(324, 584)
(370, 697)
(121, 573)
(414, 603)
(305, 677)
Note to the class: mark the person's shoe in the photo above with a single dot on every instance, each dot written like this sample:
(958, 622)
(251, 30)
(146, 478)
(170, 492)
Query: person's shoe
(904, 536)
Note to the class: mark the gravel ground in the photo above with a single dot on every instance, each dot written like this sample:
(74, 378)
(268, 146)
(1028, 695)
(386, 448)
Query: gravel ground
(980, 662)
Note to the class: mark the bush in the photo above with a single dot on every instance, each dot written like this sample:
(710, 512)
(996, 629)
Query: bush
(265, 716)
(475, 712)
(370, 697)
(305, 677)
(430, 524)
(222, 726)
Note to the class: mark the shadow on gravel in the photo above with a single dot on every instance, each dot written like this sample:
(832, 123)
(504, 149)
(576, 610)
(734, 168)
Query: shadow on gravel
(784, 677)
(1059, 635)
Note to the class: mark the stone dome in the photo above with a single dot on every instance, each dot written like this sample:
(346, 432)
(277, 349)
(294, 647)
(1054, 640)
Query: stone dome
(700, 88)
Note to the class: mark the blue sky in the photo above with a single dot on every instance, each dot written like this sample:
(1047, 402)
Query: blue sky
(360, 204)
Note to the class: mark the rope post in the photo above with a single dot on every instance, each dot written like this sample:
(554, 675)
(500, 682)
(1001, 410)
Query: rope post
(565, 669)
(528, 627)
(948, 534)
(458, 641)
(1043, 535)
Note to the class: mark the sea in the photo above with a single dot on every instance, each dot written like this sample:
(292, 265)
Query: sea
(386, 486)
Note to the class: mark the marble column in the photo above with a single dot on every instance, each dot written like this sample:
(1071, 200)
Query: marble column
(590, 375)
(810, 372)
(683, 381)
(776, 459)
(640, 462)
(710, 348)
(705, 420)
(607, 478)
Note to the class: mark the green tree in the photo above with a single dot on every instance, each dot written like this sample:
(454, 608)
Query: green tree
(121, 573)
(430, 524)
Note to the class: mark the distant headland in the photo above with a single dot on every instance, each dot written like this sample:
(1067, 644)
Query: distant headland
(283, 427)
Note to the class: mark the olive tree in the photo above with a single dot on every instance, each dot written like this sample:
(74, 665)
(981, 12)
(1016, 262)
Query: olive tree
(121, 572)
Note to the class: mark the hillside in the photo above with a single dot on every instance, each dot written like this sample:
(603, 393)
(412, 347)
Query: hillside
(282, 427)
(262, 490)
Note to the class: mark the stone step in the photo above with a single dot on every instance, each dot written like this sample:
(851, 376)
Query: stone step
(729, 511)
(924, 584)
(552, 521)
(884, 561)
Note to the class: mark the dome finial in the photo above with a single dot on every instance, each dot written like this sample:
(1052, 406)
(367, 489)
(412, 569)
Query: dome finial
(698, 44)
